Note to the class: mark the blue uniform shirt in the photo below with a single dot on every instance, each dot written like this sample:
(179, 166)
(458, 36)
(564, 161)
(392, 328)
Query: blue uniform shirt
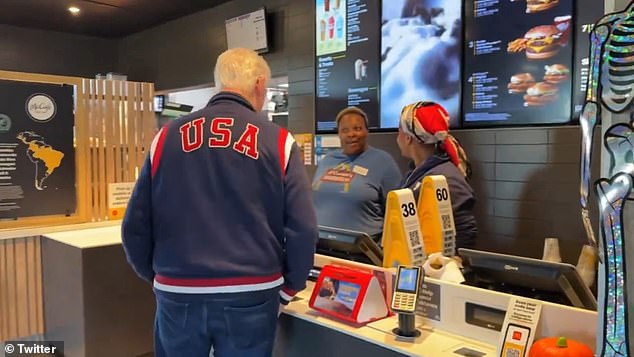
(350, 191)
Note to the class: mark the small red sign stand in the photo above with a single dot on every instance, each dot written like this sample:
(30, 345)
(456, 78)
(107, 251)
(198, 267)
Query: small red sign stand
(348, 294)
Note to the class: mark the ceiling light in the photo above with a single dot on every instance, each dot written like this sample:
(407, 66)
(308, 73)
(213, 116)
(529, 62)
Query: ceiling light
(74, 10)
(283, 85)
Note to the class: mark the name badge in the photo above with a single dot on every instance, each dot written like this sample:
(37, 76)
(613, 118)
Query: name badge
(360, 170)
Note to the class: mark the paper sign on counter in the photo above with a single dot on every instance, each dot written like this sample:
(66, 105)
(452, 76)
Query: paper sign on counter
(520, 324)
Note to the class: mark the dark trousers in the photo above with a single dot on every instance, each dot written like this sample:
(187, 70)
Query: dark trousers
(236, 324)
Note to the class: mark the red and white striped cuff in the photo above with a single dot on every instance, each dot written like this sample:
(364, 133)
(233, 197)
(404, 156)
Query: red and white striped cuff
(286, 295)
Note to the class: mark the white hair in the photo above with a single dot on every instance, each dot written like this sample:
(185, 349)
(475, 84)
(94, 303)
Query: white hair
(239, 69)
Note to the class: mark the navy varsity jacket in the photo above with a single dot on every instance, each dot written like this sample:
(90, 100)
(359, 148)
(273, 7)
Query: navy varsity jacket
(223, 204)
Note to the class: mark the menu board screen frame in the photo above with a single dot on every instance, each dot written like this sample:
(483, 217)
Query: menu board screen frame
(578, 45)
(521, 108)
(585, 18)
(346, 73)
(437, 27)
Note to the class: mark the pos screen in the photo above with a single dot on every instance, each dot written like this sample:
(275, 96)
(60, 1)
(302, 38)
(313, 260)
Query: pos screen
(408, 279)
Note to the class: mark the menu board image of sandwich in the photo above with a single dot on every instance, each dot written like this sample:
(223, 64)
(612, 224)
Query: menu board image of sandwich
(540, 5)
(518, 60)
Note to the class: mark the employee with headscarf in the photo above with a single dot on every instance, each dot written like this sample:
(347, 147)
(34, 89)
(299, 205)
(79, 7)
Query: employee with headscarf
(423, 136)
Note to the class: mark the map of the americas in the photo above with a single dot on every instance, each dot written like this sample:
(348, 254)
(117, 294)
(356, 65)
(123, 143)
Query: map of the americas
(44, 157)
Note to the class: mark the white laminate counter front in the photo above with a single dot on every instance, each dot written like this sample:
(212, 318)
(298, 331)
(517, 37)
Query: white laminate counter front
(88, 238)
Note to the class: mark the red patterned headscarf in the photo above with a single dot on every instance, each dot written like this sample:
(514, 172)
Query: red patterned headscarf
(428, 122)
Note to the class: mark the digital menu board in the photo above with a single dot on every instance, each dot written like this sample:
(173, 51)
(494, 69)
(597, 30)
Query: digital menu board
(518, 62)
(421, 51)
(347, 60)
(586, 15)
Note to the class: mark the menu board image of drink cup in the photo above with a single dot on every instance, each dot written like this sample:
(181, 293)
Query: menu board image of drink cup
(331, 26)
(421, 51)
(37, 156)
(518, 62)
(346, 73)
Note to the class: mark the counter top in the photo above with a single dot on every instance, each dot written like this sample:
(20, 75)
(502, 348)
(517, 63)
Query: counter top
(39, 231)
(88, 238)
(431, 342)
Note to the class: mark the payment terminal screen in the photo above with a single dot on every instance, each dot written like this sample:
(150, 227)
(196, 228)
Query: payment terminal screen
(407, 280)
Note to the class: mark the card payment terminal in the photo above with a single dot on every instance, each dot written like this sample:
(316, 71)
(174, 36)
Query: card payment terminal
(408, 282)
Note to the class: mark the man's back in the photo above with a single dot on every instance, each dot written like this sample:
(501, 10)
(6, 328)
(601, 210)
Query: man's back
(219, 196)
(221, 220)
(220, 201)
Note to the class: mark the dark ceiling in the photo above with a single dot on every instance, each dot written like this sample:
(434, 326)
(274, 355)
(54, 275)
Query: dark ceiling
(103, 18)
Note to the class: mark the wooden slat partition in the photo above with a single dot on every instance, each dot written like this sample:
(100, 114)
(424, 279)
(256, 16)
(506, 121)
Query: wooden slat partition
(122, 126)
(21, 311)
(114, 127)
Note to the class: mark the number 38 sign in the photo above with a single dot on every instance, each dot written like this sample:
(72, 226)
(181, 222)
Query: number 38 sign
(412, 231)
(402, 241)
(409, 209)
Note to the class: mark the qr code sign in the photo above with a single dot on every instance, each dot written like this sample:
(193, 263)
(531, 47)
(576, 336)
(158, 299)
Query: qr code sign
(446, 221)
(413, 238)
(512, 352)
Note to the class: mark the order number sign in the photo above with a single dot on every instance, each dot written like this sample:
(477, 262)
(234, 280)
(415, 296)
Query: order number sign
(408, 209)
(442, 194)
(412, 232)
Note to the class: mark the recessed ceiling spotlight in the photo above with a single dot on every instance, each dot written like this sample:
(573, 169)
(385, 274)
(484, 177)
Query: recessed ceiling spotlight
(74, 10)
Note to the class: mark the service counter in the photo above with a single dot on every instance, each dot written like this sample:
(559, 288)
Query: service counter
(313, 334)
(94, 302)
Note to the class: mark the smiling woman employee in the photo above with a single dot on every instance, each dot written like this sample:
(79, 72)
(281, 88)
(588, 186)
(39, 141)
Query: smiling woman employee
(351, 185)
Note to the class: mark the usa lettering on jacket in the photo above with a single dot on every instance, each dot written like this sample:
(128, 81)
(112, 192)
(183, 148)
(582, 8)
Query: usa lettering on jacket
(192, 136)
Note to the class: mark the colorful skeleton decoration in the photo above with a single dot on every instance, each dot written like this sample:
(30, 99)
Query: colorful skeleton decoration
(611, 85)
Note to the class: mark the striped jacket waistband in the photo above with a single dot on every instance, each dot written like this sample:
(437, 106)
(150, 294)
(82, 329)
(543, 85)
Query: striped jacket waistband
(217, 285)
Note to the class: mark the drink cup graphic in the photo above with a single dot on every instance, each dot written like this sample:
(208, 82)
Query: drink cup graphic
(331, 27)
(339, 25)
(322, 30)
(563, 25)
(357, 69)
(360, 69)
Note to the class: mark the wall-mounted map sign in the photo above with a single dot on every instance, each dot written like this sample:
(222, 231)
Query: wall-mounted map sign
(37, 157)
